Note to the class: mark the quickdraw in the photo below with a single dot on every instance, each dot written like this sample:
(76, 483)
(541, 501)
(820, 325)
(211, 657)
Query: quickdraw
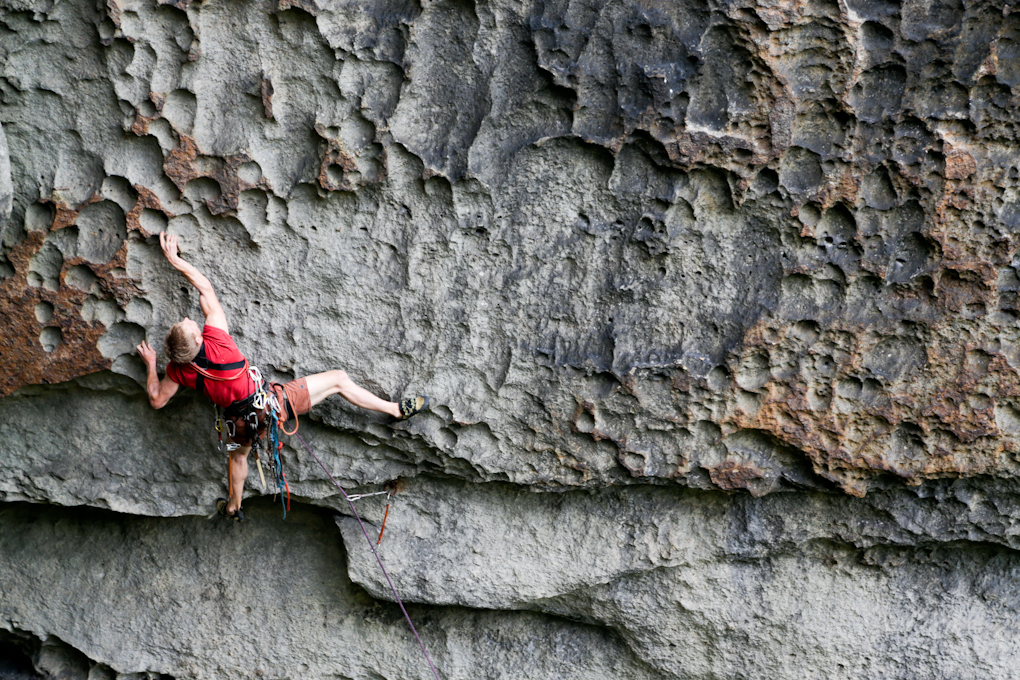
(390, 490)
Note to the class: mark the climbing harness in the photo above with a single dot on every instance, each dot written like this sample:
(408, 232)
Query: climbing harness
(259, 413)
(372, 546)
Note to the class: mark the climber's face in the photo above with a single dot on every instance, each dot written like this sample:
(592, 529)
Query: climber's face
(193, 329)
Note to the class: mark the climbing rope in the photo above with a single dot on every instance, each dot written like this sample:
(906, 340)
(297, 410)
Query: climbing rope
(374, 552)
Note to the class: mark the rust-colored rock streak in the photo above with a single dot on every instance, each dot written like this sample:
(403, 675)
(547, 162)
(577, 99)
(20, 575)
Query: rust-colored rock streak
(23, 359)
(27, 310)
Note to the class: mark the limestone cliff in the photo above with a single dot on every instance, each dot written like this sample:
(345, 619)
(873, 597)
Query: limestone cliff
(717, 303)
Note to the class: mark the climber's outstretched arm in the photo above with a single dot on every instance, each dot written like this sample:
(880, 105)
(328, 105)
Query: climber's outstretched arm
(211, 308)
(159, 391)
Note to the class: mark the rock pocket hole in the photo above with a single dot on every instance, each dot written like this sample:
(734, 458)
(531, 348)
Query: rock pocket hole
(979, 402)
(179, 108)
(101, 231)
(39, 217)
(849, 388)
(634, 462)
(80, 277)
(807, 332)
(120, 338)
(107, 29)
(184, 38)
(119, 190)
(202, 189)
(50, 337)
(335, 174)
(249, 173)
(1007, 419)
(754, 372)
(800, 171)
(44, 267)
(43, 312)
(139, 310)
(871, 390)
(643, 31)
(585, 422)
(152, 221)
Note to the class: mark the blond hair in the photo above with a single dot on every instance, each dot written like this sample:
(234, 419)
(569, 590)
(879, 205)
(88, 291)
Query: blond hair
(180, 344)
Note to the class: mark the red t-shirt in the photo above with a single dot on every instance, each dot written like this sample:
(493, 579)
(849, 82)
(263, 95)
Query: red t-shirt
(218, 355)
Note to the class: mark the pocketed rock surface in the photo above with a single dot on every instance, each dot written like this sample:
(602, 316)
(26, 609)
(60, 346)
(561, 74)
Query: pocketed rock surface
(716, 302)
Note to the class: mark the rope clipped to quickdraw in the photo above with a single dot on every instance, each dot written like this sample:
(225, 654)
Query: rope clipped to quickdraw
(390, 490)
(376, 553)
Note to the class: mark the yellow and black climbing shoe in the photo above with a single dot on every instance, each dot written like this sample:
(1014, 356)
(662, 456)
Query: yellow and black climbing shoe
(412, 406)
(221, 507)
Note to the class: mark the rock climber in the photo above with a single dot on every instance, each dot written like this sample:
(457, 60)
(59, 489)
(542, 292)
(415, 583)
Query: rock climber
(206, 359)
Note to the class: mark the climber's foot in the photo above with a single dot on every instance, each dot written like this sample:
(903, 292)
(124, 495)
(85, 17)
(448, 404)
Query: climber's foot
(412, 406)
(221, 507)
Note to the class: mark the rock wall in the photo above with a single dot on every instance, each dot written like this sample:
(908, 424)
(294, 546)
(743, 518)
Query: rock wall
(716, 302)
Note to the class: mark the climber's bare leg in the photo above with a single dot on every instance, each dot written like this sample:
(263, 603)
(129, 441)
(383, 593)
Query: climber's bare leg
(322, 385)
(238, 471)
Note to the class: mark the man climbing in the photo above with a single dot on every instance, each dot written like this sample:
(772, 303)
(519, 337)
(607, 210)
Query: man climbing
(207, 359)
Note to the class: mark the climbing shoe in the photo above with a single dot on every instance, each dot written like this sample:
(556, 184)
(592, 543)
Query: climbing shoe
(221, 507)
(412, 406)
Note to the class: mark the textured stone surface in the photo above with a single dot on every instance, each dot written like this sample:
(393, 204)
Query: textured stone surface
(6, 187)
(921, 578)
(193, 601)
(737, 280)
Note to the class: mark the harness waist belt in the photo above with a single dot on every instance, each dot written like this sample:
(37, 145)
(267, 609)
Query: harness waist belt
(242, 407)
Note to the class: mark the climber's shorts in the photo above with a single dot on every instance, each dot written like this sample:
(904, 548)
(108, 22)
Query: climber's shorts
(294, 399)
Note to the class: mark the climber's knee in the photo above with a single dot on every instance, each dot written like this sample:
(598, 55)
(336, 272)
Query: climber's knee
(342, 379)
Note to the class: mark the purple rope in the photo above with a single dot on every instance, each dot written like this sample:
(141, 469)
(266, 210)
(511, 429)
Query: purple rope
(374, 552)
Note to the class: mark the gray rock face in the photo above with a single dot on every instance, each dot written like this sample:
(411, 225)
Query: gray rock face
(6, 187)
(190, 600)
(813, 584)
(716, 302)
